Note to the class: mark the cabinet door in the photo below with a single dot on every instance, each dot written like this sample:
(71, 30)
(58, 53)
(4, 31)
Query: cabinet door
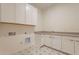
(31, 15)
(8, 12)
(42, 41)
(37, 40)
(68, 45)
(48, 41)
(28, 14)
(20, 13)
(77, 47)
(56, 42)
(34, 16)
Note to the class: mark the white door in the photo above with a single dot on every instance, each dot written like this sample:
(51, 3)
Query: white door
(20, 13)
(77, 47)
(56, 42)
(68, 45)
(8, 12)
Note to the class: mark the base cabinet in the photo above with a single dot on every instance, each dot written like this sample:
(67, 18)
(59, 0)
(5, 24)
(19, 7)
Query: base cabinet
(68, 45)
(77, 47)
(56, 42)
(37, 41)
(63, 43)
(48, 39)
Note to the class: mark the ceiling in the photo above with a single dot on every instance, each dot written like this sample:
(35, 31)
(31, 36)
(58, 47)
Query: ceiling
(42, 6)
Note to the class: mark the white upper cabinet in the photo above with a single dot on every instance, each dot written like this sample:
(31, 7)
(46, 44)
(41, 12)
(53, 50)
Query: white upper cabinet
(8, 12)
(20, 13)
(26, 14)
(31, 15)
(34, 16)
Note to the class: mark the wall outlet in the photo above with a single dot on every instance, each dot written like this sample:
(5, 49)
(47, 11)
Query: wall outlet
(12, 33)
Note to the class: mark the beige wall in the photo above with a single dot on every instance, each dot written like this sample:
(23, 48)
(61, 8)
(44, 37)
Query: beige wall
(12, 44)
(62, 17)
(19, 29)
